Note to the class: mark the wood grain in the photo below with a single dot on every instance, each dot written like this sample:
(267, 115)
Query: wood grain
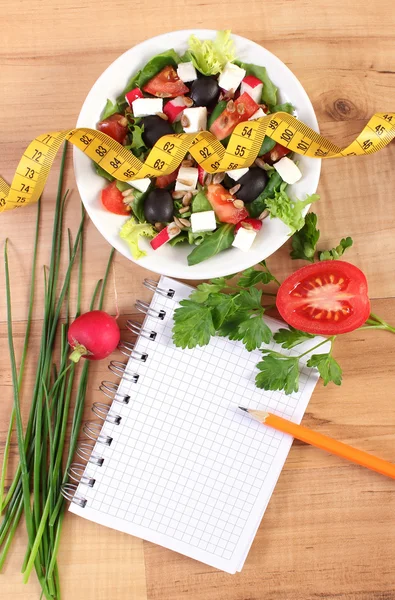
(329, 529)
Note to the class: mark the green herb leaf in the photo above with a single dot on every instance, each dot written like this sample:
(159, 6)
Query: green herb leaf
(100, 171)
(267, 145)
(110, 109)
(304, 242)
(269, 92)
(289, 338)
(286, 107)
(210, 56)
(327, 366)
(204, 290)
(193, 325)
(257, 206)
(249, 299)
(337, 252)
(200, 202)
(138, 204)
(251, 277)
(221, 239)
(278, 372)
(288, 210)
(222, 305)
(254, 332)
(137, 146)
(230, 326)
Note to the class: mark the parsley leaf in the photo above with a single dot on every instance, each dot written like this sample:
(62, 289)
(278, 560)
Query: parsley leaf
(193, 325)
(222, 305)
(255, 332)
(278, 372)
(304, 241)
(230, 327)
(249, 299)
(204, 290)
(327, 366)
(335, 253)
(251, 277)
(289, 338)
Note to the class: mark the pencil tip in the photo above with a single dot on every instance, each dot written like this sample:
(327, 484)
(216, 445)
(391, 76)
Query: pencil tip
(242, 408)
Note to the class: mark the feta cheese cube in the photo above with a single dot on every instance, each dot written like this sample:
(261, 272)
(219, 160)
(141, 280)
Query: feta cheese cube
(287, 170)
(257, 114)
(197, 119)
(236, 174)
(142, 107)
(186, 72)
(244, 239)
(203, 221)
(231, 77)
(141, 185)
(187, 179)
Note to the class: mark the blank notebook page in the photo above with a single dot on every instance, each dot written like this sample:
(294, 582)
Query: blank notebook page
(186, 469)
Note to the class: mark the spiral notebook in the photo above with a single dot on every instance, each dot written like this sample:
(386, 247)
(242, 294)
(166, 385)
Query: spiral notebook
(171, 459)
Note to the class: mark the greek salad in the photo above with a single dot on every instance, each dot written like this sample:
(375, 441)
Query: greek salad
(207, 88)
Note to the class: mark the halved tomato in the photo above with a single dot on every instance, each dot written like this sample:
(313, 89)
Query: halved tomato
(166, 84)
(236, 111)
(164, 180)
(113, 200)
(222, 203)
(277, 152)
(327, 298)
(115, 126)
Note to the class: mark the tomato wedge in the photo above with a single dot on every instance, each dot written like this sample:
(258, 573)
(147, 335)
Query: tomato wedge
(115, 126)
(166, 84)
(328, 298)
(235, 112)
(113, 200)
(164, 180)
(276, 153)
(222, 203)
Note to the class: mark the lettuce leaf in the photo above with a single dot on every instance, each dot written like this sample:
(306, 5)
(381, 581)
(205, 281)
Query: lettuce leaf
(285, 107)
(152, 68)
(110, 109)
(269, 92)
(131, 231)
(288, 210)
(200, 202)
(210, 56)
(100, 171)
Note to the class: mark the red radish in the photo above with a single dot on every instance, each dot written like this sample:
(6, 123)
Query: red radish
(133, 95)
(167, 234)
(93, 335)
(164, 180)
(174, 108)
(201, 174)
(255, 224)
(253, 86)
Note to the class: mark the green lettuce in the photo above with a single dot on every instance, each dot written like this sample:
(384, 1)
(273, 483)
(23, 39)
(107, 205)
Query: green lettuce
(131, 231)
(269, 92)
(100, 171)
(210, 56)
(110, 109)
(200, 202)
(288, 210)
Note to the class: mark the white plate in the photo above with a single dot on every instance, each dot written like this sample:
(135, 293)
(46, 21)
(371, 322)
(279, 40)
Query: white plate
(168, 260)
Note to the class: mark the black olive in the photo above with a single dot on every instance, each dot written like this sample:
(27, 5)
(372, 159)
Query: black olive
(205, 91)
(158, 206)
(155, 128)
(252, 184)
(228, 182)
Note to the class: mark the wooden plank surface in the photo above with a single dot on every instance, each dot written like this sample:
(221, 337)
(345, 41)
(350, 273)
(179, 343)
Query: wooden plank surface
(329, 529)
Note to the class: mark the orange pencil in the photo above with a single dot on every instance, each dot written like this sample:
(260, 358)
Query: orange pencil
(324, 442)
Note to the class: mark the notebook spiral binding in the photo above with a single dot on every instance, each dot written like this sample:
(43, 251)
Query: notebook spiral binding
(94, 429)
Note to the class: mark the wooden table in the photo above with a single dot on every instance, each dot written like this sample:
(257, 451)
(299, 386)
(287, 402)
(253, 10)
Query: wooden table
(329, 531)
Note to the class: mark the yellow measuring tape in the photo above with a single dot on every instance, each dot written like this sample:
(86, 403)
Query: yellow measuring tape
(167, 154)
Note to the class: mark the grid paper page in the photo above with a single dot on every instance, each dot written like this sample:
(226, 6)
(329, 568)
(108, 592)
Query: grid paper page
(186, 469)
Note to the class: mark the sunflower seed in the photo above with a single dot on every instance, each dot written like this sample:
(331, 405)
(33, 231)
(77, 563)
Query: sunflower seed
(235, 189)
(187, 199)
(173, 228)
(162, 116)
(241, 108)
(194, 192)
(185, 222)
(218, 178)
(123, 121)
(187, 182)
(231, 106)
(185, 121)
(184, 210)
(187, 163)
(178, 195)
(127, 192)
(260, 163)
(177, 222)
(238, 204)
(263, 215)
(207, 179)
(246, 225)
(188, 101)
(159, 226)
